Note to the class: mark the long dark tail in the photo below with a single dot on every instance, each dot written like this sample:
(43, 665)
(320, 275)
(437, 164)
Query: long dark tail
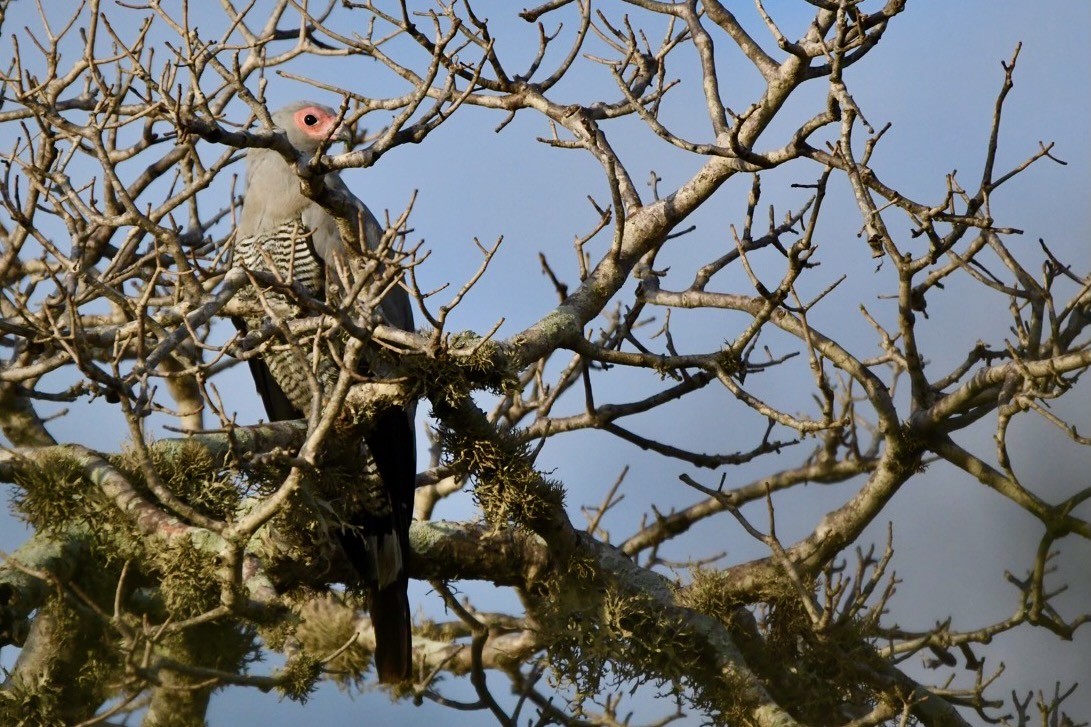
(393, 632)
(393, 447)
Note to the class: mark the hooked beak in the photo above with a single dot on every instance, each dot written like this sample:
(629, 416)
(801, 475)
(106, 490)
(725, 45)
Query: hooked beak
(342, 133)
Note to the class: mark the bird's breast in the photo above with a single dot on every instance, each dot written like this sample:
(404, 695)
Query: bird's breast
(286, 250)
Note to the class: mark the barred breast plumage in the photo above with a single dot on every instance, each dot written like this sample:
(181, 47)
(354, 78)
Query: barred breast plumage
(288, 251)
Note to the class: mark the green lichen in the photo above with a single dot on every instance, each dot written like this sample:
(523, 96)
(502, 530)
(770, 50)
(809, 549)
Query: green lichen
(813, 671)
(467, 363)
(299, 678)
(507, 486)
(188, 580)
(328, 623)
(191, 474)
(602, 637)
(71, 667)
(53, 496)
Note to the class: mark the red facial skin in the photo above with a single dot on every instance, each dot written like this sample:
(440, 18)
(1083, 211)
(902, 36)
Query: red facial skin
(322, 124)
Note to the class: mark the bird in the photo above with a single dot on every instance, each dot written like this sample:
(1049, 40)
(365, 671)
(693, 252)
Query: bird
(282, 231)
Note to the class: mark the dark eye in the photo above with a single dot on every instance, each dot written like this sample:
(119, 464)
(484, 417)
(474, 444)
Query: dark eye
(310, 119)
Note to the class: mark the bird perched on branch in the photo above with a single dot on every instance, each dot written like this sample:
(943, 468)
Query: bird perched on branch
(283, 232)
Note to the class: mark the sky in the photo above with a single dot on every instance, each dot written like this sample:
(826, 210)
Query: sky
(934, 77)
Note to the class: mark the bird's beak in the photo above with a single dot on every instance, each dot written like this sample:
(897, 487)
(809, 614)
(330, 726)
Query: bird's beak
(342, 133)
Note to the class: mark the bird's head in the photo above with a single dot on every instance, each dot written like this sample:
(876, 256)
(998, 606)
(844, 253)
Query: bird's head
(308, 125)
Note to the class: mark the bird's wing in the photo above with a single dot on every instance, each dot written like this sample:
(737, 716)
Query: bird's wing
(396, 307)
(277, 406)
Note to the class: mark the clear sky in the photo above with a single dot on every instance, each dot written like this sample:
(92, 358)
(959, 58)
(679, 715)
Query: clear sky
(934, 77)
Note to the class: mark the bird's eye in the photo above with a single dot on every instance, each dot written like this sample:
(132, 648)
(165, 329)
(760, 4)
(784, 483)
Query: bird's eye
(310, 119)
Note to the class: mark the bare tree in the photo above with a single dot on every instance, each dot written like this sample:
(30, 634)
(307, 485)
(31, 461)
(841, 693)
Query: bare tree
(158, 573)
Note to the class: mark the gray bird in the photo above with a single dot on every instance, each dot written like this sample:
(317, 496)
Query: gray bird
(284, 232)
